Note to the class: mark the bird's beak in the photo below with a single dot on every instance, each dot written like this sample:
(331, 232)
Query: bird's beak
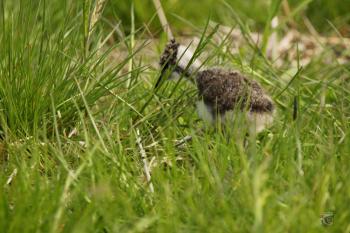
(162, 74)
(159, 79)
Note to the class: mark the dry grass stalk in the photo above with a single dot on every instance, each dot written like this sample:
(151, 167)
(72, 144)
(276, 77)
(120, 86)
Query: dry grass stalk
(183, 140)
(287, 12)
(96, 14)
(13, 174)
(162, 19)
(144, 160)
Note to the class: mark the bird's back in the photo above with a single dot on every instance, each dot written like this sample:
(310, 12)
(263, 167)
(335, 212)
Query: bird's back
(226, 90)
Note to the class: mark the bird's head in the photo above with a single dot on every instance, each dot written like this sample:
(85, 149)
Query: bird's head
(178, 60)
(168, 59)
(169, 56)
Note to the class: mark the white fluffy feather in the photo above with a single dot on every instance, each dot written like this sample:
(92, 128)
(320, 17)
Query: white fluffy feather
(184, 56)
(205, 112)
(257, 121)
(260, 121)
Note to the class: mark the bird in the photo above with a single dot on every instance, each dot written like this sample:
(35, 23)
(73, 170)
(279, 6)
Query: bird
(222, 92)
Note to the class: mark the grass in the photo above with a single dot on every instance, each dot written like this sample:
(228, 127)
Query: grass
(70, 116)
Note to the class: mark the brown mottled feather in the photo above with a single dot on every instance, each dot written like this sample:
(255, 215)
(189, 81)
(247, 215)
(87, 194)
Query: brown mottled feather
(222, 90)
(169, 55)
(226, 90)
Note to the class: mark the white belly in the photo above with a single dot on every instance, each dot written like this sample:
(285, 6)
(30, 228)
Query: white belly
(205, 112)
(259, 121)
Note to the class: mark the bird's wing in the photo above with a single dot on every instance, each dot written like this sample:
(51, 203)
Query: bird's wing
(228, 90)
(259, 101)
(223, 90)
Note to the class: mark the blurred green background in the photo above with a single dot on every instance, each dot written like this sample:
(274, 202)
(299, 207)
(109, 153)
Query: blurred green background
(319, 12)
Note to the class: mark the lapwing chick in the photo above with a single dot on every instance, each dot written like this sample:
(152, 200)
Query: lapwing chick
(222, 92)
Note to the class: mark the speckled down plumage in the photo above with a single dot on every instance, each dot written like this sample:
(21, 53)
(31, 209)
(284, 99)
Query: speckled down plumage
(168, 57)
(226, 90)
(220, 91)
